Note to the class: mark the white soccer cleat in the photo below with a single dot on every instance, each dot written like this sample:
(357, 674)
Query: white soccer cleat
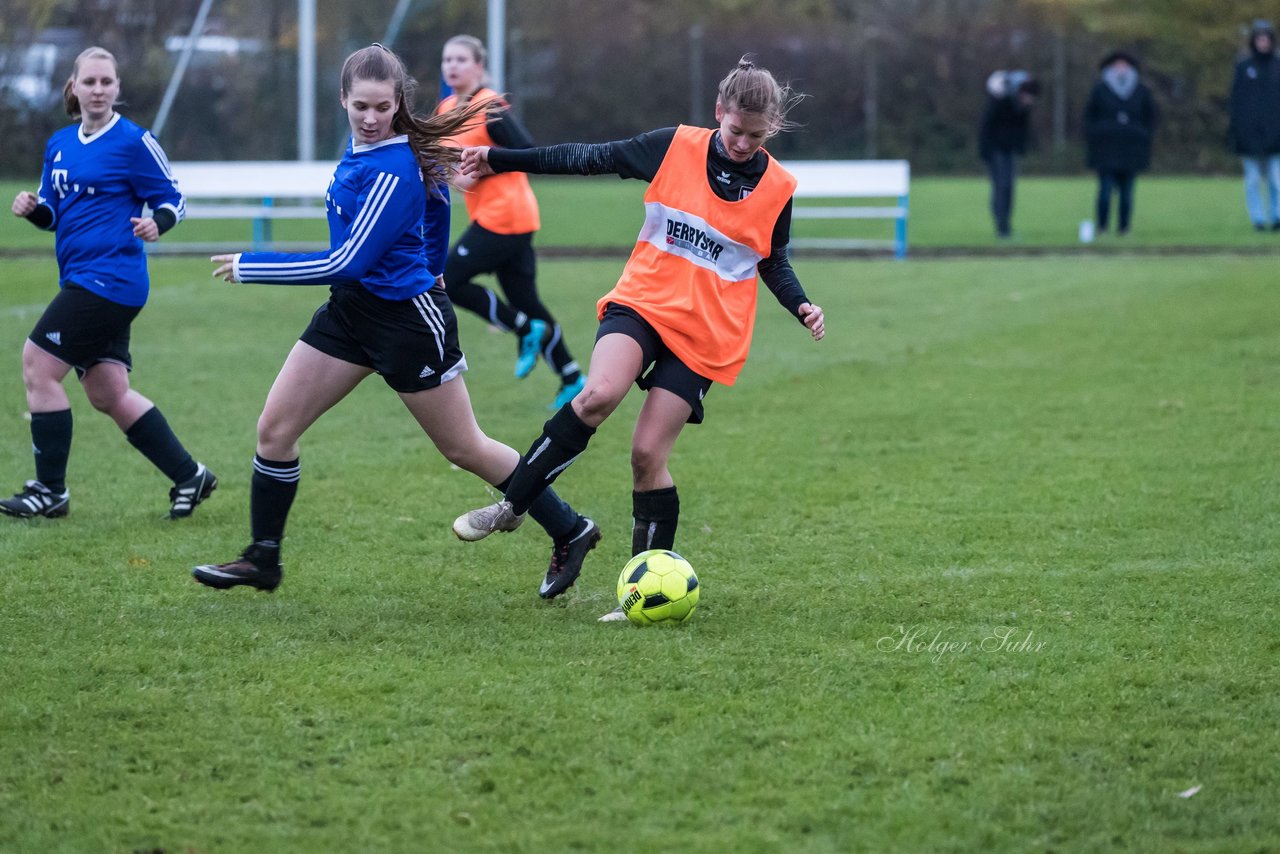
(614, 616)
(478, 524)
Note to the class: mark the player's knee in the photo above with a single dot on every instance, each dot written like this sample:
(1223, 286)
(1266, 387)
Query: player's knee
(460, 455)
(103, 399)
(470, 456)
(276, 439)
(598, 400)
(646, 462)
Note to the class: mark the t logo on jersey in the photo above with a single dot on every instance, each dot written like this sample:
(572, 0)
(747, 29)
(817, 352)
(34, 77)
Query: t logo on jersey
(61, 182)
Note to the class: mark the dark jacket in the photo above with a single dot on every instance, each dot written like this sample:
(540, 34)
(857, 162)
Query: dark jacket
(1118, 131)
(1005, 126)
(1255, 106)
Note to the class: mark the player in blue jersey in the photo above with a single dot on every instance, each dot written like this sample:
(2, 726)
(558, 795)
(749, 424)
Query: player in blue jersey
(388, 211)
(97, 176)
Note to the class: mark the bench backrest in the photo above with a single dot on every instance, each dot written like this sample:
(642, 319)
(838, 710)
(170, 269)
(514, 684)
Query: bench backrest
(850, 178)
(283, 179)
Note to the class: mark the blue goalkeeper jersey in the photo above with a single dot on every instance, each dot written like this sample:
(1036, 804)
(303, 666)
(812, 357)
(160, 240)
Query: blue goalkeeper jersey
(93, 185)
(387, 232)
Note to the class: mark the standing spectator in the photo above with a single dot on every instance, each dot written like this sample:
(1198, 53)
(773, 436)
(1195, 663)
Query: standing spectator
(1254, 132)
(1003, 136)
(1119, 121)
(98, 174)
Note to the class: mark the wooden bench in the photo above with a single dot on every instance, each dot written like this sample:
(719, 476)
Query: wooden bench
(852, 179)
(259, 191)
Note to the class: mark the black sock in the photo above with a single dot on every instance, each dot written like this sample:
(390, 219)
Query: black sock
(271, 494)
(154, 439)
(504, 316)
(655, 515)
(51, 443)
(564, 436)
(570, 374)
(552, 512)
(559, 358)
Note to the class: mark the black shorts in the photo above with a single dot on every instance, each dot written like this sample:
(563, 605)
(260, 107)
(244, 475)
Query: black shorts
(509, 256)
(83, 329)
(667, 371)
(412, 344)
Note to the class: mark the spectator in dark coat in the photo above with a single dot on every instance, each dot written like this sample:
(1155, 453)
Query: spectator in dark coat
(1254, 132)
(1003, 136)
(1119, 121)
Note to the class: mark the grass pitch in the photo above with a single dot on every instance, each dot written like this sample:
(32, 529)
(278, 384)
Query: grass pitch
(992, 568)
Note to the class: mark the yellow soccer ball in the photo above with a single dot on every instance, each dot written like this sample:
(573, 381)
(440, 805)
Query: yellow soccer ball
(658, 586)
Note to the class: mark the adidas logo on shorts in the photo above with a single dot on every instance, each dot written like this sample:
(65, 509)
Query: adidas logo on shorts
(55, 337)
(426, 372)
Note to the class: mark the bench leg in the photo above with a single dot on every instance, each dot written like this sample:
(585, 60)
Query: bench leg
(900, 232)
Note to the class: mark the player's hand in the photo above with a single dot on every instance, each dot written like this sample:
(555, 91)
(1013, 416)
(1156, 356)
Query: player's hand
(813, 320)
(460, 181)
(145, 227)
(24, 203)
(226, 267)
(475, 162)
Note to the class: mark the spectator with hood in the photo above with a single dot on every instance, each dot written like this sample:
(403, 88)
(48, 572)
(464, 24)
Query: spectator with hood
(1254, 131)
(1003, 137)
(1119, 121)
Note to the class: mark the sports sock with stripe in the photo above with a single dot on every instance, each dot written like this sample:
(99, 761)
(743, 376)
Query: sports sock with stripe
(655, 515)
(564, 437)
(51, 444)
(552, 512)
(271, 494)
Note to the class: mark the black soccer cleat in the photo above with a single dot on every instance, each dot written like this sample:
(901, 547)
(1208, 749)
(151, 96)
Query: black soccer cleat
(184, 497)
(36, 499)
(566, 560)
(258, 567)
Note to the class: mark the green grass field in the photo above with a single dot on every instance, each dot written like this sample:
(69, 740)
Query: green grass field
(991, 568)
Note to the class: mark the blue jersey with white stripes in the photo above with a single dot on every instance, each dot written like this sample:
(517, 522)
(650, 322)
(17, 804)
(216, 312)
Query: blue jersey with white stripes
(387, 232)
(93, 185)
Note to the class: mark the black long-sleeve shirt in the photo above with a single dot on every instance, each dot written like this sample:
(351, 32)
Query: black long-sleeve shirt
(505, 130)
(640, 157)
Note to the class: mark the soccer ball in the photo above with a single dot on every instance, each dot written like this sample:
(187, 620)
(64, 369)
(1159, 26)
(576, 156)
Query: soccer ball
(657, 586)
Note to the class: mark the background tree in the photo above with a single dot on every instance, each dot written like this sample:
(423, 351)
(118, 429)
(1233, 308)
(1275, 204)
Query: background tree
(897, 78)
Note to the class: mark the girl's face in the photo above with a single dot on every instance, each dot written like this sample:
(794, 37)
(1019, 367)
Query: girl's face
(370, 106)
(742, 133)
(460, 69)
(97, 88)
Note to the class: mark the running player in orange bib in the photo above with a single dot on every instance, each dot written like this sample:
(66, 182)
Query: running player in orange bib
(504, 216)
(717, 212)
